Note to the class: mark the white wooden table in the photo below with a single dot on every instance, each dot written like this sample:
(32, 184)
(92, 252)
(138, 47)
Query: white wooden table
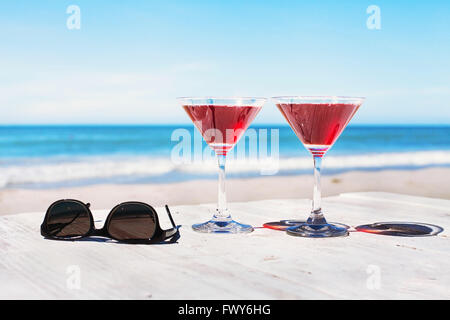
(265, 264)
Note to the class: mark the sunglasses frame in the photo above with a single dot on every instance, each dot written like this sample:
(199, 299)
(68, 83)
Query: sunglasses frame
(159, 234)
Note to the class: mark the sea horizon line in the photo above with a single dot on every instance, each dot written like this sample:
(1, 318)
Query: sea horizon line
(187, 124)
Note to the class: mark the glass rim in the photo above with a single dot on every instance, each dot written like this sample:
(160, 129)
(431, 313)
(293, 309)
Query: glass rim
(222, 97)
(318, 98)
(214, 99)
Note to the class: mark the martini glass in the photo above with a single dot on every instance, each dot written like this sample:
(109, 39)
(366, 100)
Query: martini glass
(222, 121)
(318, 122)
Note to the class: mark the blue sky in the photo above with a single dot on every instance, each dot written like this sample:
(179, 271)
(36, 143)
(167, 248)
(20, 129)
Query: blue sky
(131, 59)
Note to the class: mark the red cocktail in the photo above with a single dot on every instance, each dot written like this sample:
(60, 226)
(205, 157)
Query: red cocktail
(222, 121)
(318, 122)
(318, 125)
(221, 126)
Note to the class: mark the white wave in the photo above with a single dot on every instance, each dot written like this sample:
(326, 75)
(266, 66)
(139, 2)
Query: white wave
(379, 160)
(96, 168)
(82, 169)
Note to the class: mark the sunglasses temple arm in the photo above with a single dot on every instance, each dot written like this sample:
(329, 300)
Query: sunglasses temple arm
(171, 232)
(170, 217)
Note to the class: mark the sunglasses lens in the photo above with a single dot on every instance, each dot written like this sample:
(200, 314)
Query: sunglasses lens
(132, 221)
(68, 219)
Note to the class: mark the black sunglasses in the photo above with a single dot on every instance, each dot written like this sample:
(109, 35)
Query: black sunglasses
(133, 222)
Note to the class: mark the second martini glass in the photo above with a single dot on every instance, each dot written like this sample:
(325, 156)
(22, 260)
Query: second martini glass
(318, 122)
(222, 121)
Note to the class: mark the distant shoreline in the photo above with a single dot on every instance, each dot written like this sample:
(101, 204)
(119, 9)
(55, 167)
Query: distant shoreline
(431, 182)
(72, 171)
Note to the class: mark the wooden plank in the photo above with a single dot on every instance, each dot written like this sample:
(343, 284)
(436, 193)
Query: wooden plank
(265, 264)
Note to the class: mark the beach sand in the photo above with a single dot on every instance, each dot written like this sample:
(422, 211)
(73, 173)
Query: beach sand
(432, 182)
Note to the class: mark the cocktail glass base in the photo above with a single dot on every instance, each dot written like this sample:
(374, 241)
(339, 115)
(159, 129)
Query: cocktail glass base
(318, 230)
(230, 226)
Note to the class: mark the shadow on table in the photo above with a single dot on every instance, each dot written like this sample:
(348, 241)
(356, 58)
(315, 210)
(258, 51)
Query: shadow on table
(394, 228)
(401, 229)
(281, 225)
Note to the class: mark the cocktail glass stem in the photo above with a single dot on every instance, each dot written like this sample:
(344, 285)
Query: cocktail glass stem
(221, 211)
(316, 216)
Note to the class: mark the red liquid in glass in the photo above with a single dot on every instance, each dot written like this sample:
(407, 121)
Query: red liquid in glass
(221, 126)
(318, 125)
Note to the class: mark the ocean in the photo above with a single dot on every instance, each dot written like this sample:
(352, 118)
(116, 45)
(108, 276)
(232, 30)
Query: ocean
(58, 156)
